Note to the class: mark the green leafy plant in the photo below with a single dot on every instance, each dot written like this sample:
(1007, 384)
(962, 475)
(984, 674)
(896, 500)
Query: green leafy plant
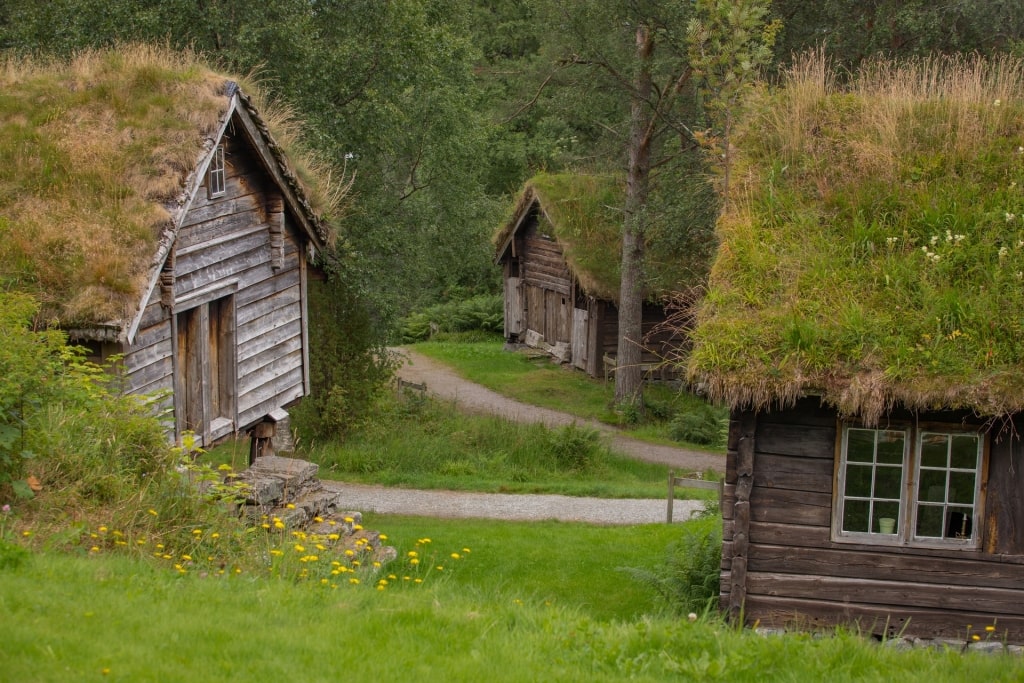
(688, 581)
(484, 313)
(703, 424)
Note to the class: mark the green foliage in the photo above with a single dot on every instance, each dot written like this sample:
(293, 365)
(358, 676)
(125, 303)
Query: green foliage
(575, 448)
(705, 425)
(349, 367)
(484, 312)
(689, 579)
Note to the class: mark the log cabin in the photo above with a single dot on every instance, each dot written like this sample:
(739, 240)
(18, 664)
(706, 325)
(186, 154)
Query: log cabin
(863, 323)
(178, 231)
(559, 253)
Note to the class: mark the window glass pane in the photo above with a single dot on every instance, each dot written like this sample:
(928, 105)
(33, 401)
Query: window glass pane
(887, 482)
(860, 445)
(933, 486)
(890, 447)
(964, 451)
(858, 480)
(959, 523)
(934, 448)
(855, 515)
(929, 520)
(961, 487)
(884, 512)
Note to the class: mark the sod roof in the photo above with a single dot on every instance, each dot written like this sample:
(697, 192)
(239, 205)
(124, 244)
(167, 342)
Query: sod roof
(583, 213)
(97, 156)
(872, 246)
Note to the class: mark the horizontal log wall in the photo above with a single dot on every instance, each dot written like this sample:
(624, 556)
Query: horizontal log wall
(794, 575)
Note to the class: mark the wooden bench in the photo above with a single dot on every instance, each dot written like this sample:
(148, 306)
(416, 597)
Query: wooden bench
(684, 482)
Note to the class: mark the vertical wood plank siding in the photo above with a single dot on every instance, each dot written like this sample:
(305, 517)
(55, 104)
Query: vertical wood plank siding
(788, 572)
(227, 242)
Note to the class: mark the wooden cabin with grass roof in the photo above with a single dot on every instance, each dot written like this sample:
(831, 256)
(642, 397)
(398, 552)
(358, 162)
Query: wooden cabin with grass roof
(865, 323)
(150, 208)
(560, 254)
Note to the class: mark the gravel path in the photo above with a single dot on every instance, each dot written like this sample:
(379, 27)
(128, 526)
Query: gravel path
(536, 507)
(443, 382)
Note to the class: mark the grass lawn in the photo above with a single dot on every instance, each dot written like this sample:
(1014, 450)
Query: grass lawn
(538, 381)
(118, 618)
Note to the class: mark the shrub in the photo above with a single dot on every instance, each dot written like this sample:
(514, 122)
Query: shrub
(689, 579)
(484, 312)
(704, 425)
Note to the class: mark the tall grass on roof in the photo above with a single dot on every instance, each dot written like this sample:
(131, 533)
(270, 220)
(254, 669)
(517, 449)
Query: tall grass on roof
(94, 153)
(873, 246)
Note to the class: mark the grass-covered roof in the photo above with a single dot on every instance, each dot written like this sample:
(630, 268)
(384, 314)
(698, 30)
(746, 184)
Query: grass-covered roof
(583, 212)
(872, 247)
(95, 155)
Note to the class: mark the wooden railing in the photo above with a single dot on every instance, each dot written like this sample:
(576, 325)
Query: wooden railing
(689, 483)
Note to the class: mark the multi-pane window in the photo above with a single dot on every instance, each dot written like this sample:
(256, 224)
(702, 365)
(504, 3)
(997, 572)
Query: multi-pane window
(216, 176)
(909, 486)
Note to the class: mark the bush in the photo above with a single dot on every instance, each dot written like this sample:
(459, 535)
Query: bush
(689, 579)
(485, 312)
(705, 425)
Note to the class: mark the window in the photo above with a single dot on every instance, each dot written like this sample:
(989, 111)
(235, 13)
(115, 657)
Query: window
(909, 486)
(216, 176)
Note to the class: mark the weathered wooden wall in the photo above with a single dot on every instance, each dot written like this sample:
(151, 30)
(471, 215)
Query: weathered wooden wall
(547, 286)
(781, 568)
(224, 247)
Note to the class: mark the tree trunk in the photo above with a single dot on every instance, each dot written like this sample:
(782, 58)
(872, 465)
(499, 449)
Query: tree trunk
(628, 373)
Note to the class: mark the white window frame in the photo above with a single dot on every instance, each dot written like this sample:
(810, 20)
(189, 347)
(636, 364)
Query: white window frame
(216, 174)
(910, 499)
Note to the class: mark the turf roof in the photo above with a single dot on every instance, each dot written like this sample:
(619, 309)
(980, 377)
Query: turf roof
(583, 212)
(872, 248)
(95, 155)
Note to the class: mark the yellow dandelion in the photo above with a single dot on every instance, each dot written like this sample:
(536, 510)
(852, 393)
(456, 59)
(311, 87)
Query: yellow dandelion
(975, 637)
(167, 556)
(356, 563)
(318, 519)
(349, 520)
(141, 541)
(94, 535)
(159, 546)
(412, 553)
(465, 550)
(333, 537)
(214, 535)
(278, 524)
(990, 628)
(103, 529)
(414, 561)
(26, 534)
(299, 548)
(94, 549)
(321, 546)
(417, 580)
(357, 527)
(332, 522)
(383, 537)
(238, 570)
(224, 467)
(354, 581)
(197, 532)
(439, 568)
(349, 553)
(187, 558)
(380, 588)
(152, 512)
(376, 564)
(277, 553)
(456, 556)
(324, 582)
(265, 525)
(290, 506)
(117, 533)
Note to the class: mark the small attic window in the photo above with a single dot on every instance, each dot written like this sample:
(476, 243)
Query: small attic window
(216, 177)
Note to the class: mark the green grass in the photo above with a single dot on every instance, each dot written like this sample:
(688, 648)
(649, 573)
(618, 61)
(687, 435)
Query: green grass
(420, 442)
(541, 382)
(118, 618)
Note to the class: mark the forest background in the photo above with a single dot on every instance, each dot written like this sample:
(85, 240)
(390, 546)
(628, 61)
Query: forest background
(439, 110)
